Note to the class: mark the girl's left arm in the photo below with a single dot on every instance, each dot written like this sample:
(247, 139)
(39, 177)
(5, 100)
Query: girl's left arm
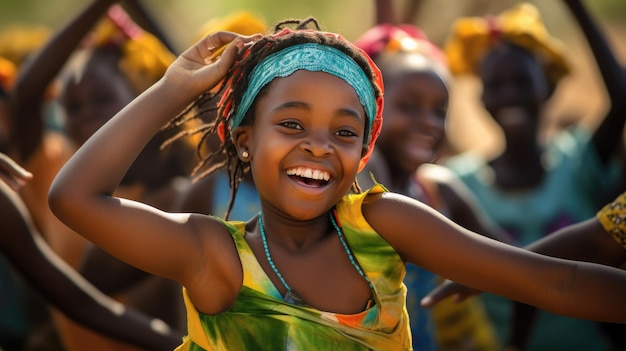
(424, 237)
(81, 194)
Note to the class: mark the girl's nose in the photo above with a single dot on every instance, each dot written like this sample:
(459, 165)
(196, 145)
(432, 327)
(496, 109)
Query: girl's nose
(318, 144)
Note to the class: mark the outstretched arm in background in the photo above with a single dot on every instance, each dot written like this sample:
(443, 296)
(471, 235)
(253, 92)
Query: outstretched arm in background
(26, 99)
(607, 139)
(140, 14)
(81, 194)
(584, 241)
(608, 136)
(63, 287)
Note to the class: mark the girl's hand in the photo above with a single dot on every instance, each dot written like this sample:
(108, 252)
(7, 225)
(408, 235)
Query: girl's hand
(448, 289)
(197, 69)
(13, 174)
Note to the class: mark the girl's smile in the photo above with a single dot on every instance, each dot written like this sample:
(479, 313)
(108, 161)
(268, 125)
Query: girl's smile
(307, 139)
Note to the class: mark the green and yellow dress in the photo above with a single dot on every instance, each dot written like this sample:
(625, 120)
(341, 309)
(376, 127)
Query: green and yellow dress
(260, 319)
(613, 219)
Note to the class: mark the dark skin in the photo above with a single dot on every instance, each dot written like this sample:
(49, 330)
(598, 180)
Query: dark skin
(520, 167)
(89, 102)
(25, 101)
(416, 107)
(586, 241)
(92, 94)
(299, 122)
(144, 18)
(412, 135)
(61, 286)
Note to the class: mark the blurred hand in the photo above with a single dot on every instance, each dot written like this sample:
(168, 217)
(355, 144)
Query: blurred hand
(13, 174)
(446, 290)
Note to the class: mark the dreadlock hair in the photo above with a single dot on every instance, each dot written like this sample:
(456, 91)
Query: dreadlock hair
(231, 91)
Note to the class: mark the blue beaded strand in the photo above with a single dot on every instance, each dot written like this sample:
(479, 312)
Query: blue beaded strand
(341, 239)
(345, 247)
(267, 254)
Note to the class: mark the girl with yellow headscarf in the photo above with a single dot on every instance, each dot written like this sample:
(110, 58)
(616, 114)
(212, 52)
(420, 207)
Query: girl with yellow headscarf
(533, 187)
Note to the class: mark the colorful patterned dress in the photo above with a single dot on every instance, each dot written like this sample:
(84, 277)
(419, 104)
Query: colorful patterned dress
(613, 219)
(260, 319)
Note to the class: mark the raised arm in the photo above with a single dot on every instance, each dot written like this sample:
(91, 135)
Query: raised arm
(140, 14)
(81, 193)
(66, 290)
(608, 135)
(27, 96)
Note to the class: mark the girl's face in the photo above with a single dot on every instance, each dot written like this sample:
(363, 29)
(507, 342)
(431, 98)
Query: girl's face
(514, 89)
(416, 105)
(93, 98)
(305, 142)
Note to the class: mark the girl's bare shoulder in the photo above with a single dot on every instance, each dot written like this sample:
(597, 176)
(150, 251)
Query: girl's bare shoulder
(400, 220)
(218, 280)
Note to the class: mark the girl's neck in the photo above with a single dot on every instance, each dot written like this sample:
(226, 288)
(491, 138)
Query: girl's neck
(295, 235)
(518, 169)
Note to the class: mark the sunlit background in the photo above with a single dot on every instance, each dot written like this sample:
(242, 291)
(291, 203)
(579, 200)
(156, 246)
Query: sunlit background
(581, 96)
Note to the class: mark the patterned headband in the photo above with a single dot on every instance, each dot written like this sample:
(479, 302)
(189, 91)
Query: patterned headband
(310, 57)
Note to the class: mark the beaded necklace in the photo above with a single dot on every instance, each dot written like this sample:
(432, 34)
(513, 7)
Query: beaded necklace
(290, 296)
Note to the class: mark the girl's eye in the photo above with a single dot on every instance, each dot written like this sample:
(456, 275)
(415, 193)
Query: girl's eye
(345, 133)
(291, 125)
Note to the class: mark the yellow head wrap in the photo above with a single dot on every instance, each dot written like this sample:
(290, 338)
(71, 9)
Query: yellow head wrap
(145, 59)
(7, 74)
(17, 42)
(472, 38)
(241, 22)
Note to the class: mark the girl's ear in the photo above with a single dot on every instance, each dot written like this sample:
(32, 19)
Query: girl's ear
(242, 138)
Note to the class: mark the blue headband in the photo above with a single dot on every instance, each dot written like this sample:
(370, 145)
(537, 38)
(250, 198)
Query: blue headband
(310, 57)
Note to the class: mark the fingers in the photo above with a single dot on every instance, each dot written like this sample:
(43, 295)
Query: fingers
(13, 174)
(446, 290)
(229, 54)
(198, 69)
(213, 45)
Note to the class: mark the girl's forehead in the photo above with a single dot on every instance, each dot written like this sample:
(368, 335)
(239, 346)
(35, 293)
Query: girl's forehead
(314, 88)
(398, 65)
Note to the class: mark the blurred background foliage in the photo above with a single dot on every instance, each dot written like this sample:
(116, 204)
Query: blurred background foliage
(581, 95)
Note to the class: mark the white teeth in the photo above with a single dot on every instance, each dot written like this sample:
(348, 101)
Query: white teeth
(309, 173)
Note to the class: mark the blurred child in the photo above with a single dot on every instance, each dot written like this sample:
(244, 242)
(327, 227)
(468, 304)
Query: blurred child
(534, 187)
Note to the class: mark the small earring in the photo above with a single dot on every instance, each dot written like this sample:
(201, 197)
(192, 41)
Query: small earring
(245, 154)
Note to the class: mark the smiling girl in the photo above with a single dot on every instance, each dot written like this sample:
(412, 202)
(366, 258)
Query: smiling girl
(322, 263)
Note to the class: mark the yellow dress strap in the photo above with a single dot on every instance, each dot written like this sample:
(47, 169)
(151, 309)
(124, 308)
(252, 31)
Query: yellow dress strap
(613, 219)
